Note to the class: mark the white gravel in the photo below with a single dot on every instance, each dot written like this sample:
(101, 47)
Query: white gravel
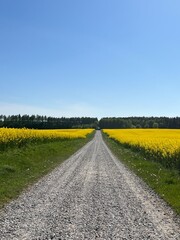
(90, 196)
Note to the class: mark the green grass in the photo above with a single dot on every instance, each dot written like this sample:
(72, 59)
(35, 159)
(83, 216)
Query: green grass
(166, 182)
(21, 167)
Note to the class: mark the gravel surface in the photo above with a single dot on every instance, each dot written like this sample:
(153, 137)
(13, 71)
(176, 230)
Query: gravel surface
(89, 196)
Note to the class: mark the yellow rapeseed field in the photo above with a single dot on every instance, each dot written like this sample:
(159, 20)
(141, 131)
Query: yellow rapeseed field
(161, 144)
(18, 137)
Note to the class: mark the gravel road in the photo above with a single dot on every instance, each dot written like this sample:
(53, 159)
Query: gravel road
(89, 196)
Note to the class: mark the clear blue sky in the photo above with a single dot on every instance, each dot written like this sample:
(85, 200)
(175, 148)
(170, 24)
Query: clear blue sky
(90, 58)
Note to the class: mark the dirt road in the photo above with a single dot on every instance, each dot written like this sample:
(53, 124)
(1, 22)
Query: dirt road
(90, 196)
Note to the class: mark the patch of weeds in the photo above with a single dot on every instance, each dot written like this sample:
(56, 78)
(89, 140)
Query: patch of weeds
(169, 181)
(5, 169)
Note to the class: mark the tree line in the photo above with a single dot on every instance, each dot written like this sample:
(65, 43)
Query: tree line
(140, 122)
(44, 122)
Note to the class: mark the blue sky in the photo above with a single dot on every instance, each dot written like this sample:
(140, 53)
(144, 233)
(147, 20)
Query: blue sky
(95, 58)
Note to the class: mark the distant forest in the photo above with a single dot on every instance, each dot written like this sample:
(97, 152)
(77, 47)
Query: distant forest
(140, 122)
(44, 122)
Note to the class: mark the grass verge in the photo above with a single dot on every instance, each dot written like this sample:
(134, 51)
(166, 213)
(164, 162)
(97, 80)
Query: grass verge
(166, 182)
(21, 167)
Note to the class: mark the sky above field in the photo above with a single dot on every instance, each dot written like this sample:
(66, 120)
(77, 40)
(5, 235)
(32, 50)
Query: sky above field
(94, 58)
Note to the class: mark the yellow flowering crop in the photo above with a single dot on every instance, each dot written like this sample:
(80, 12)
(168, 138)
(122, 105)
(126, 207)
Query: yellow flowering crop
(18, 137)
(160, 144)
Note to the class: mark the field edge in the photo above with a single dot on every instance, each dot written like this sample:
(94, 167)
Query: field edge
(165, 182)
(20, 168)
